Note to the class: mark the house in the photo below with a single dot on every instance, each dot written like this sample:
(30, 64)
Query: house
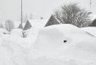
(93, 23)
(25, 26)
(93, 20)
(52, 20)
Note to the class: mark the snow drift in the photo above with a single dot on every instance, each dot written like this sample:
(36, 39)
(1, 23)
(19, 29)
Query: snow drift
(66, 43)
(62, 44)
(90, 30)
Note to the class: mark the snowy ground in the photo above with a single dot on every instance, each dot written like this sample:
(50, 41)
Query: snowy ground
(62, 44)
(90, 30)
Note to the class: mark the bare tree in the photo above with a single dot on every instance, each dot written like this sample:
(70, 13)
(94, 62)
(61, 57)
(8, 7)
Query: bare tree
(72, 14)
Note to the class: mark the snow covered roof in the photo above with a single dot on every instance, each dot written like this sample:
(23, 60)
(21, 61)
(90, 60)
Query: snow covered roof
(93, 16)
(38, 23)
(52, 20)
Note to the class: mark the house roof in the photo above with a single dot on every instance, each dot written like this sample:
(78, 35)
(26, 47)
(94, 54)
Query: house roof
(38, 23)
(52, 20)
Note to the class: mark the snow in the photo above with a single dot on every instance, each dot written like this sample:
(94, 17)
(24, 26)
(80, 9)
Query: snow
(3, 32)
(38, 23)
(62, 44)
(50, 44)
(90, 30)
(16, 32)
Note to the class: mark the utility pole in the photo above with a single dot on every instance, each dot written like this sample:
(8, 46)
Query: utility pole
(21, 13)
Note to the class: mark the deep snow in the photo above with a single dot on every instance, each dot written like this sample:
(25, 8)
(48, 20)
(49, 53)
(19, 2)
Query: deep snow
(90, 30)
(80, 47)
(62, 44)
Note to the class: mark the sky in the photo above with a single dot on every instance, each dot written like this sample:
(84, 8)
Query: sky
(10, 9)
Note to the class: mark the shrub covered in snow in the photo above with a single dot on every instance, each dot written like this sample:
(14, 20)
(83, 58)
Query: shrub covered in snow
(9, 25)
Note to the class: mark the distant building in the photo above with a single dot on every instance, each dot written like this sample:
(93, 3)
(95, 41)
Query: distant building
(27, 25)
(93, 19)
(39, 23)
(52, 20)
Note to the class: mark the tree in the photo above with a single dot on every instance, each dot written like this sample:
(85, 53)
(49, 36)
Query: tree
(9, 25)
(72, 14)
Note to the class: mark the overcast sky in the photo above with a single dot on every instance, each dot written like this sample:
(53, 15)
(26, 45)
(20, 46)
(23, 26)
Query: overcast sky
(10, 9)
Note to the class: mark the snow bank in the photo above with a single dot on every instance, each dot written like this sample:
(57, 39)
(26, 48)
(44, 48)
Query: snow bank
(67, 43)
(3, 31)
(62, 44)
(90, 30)
(16, 32)
(14, 49)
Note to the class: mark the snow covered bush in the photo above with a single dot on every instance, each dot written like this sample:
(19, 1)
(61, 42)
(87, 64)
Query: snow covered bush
(74, 15)
(9, 25)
